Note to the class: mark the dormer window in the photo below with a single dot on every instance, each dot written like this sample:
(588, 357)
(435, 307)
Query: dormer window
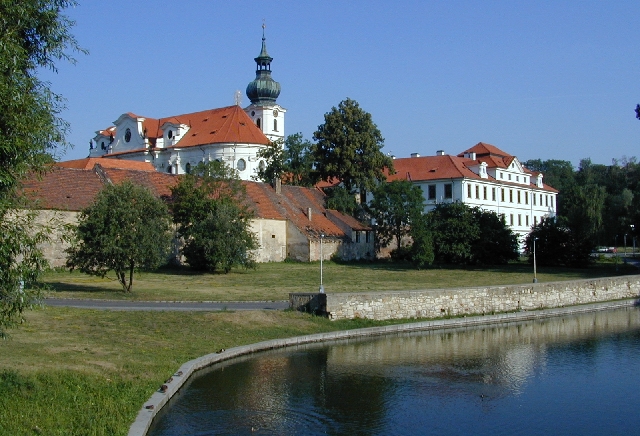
(170, 134)
(127, 135)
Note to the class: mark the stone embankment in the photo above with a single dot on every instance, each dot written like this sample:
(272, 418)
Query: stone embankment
(436, 303)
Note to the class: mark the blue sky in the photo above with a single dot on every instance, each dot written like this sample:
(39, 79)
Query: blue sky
(538, 79)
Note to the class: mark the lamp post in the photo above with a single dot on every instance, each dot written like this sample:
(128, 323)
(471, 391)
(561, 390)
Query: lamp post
(625, 247)
(633, 239)
(321, 285)
(535, 273)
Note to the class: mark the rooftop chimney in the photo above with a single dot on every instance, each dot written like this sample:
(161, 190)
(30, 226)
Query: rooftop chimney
(309, 213)
(415, 154)
(440, 153)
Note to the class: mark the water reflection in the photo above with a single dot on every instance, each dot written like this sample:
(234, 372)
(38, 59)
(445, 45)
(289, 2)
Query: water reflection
(521, 378)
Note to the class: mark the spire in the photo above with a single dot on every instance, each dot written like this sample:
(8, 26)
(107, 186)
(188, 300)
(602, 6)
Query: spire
(263, 90)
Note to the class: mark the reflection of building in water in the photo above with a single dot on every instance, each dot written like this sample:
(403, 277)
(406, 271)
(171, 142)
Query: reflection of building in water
(505, 355)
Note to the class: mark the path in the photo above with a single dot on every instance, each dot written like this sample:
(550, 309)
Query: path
(188, 306)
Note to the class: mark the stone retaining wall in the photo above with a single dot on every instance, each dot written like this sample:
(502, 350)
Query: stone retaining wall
(436, 303)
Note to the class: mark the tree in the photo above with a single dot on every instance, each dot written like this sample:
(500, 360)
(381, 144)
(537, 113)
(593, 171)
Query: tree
(291, 161)
(34, 34)
(496, 244)
(340, 199)
(466, 235)
(349, 148)
(209, 207)
(638, 111)
(124, 230)
(454, 230)
(422, 252)
(275, 166)
(394, 206)
(299, 161)
(21, 261)
(554, 243)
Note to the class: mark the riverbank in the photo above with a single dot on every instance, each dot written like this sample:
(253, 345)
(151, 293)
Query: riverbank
(161, 397)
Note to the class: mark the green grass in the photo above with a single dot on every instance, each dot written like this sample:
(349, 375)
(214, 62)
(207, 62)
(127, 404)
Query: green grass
(84, 372)
(274, 281)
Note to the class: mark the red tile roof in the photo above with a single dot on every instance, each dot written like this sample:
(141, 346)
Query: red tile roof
(74, 189)
(89, 162)
(293, 204)
(431, 168)
(482, 149)
(64, 188)
(229, 124)
(451, 167)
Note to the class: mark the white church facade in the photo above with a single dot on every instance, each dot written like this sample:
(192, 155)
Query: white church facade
(175, 144)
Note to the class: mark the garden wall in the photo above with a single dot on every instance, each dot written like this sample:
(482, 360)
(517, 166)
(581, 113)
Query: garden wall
(437, 303)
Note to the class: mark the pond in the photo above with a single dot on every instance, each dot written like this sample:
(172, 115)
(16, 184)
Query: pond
(570, 375)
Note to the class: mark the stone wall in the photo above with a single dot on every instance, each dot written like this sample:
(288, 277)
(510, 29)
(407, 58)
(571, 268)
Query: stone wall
(480, 300)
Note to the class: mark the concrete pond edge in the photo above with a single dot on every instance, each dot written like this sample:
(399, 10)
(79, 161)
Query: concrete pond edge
(152, 406)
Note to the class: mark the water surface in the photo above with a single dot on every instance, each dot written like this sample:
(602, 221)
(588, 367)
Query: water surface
(570, 375)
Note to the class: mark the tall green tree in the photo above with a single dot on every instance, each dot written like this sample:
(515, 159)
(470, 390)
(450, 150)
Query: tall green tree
(454, 231)
(394, 206)
(34, 35)
(298, 159)
(466, 235)
(496, 243)
(124, 230)
(349, 148)
(290, 160)
(422, 251)
(21, 261)
(559, 174)
(209, 206)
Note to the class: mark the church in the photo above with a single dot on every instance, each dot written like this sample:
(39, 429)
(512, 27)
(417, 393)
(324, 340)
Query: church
(177, 143)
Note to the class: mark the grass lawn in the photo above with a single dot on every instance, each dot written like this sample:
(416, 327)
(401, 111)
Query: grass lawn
(274, 281)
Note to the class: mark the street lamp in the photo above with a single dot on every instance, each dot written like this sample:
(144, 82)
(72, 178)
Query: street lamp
(321, 285)
(625, 247)
(633, 238)
(535, 275)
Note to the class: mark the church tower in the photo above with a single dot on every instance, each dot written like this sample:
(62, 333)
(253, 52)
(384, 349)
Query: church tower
(263, 92)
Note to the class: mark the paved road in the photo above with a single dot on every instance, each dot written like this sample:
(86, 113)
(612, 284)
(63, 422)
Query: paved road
(166, 306)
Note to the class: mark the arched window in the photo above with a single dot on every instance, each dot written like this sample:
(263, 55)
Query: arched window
(275, 125)
(258, 122)
(170, 169)
(127, 135)
(187, 168)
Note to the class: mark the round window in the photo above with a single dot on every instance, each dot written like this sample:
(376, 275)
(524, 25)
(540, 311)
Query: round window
(253, 113)
(127, 135)
(242, 165)
(262, 165)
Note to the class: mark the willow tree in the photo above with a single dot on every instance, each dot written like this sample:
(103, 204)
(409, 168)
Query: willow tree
(34, 35)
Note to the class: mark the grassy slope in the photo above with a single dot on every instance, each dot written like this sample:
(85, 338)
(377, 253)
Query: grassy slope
(82, 372)
(274, 281)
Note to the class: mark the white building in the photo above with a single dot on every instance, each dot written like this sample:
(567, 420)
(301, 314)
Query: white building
(482, 176)
(175, 144)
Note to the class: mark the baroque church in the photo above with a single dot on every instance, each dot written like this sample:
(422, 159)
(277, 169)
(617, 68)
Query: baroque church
(177, 143)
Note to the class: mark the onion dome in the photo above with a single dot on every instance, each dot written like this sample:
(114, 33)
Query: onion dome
(263, 90)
